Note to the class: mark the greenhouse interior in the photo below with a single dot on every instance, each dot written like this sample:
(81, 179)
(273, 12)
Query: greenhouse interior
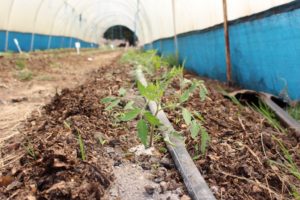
(150, 100)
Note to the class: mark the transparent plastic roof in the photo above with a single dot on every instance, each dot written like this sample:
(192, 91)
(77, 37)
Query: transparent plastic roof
(152, 19)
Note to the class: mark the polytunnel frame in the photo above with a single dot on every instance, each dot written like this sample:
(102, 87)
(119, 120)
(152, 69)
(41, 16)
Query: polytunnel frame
(8, 24)
(91, 5)
(109, 17)
(144, 16)
(135, 21)
(89, 28)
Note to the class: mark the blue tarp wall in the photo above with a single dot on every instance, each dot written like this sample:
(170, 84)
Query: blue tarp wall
(265, 50)
(40, 41)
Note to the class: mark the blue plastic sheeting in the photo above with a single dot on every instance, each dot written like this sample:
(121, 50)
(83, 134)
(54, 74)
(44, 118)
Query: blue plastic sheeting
(40, 41)
(265, 52)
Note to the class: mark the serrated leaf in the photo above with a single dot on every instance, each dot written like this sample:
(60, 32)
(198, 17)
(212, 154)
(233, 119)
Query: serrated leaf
(203, 92)
(192, 87)
(187, 116)
(204, 140)
(122, 92)
(129, 105)
(141, 88)
(113, 104)
(107, 100)
(142, 131)
(152, 119)
(195, 128)
(152, 92)
(185, 96)
(130, 115)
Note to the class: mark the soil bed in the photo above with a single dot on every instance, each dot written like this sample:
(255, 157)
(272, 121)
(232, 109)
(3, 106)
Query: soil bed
(65, 156)
(237, 164)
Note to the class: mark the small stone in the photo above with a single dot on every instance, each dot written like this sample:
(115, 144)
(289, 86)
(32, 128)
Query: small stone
(179, 191)
(185, 197)
(146, 166)
(163, 186)
(113, 192)
(167, 163)
(149, 189)
(13, 185)
(110, 150)
(256, 189)
(158, 180)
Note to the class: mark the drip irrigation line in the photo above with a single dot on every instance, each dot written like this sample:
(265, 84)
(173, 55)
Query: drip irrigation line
(194, 182)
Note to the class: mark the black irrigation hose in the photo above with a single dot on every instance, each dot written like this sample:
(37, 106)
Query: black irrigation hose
(194, 182)
(266, 98)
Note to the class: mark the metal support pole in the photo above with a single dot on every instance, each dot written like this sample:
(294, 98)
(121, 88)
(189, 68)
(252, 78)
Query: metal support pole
(8, 24)
(34, 26)
(174, 28)
(52, 25)
(135, 21)
(227, 43)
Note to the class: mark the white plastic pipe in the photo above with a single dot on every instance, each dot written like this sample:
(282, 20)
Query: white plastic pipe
(18, 45)
(77, 46)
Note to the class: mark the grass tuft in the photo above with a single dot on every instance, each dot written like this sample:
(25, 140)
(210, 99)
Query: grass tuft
(24, 75)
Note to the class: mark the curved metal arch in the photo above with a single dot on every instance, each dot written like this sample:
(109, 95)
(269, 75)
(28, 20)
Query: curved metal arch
(100, 19)
(113, 22)
(99, 2)
(53, 23)
(34, 24)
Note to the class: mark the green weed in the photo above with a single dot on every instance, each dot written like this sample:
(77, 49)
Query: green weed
(269, 115)
(81, 147)
(171, 60)
(289, 163)
(295, 112)
(102, 141)
(20, 64)
(30, 150)
(24, 75)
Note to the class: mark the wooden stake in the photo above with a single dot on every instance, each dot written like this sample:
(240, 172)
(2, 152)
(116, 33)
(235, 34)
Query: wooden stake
(227, 44)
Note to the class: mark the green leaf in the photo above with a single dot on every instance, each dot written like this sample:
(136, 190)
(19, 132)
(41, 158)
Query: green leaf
(107, 99)
(129, 105)
(152, 119)
(185, 96)
(199, 116)
(152, 92)
(113, 104)
(130, 115)
(81, 147)
(142, 131)
(122, 92)
(187, 116)
(195, 128)
(203, 92)
(141, 88)
(204, 140)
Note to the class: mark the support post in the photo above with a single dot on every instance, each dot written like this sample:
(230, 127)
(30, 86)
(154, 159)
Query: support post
(175, 31)
(34, 26)
(8, 24)
(135, 21)
(227, 44)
